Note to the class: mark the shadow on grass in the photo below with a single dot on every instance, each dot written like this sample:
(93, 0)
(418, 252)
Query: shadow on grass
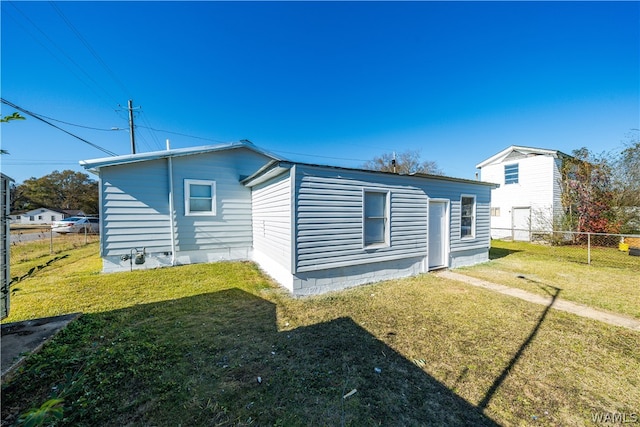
(219, 359)
(553, 292)
(496, 253)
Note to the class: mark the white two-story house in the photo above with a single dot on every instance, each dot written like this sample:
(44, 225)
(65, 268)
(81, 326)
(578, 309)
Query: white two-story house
(528, 196)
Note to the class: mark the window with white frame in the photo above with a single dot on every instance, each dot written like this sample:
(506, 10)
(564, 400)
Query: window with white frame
(199, 197)
(511, 174)
(467, 216)
(376, 218)
(495, 211)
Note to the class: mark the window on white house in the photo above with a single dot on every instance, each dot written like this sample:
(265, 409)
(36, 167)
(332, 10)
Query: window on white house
(199, 197)
(511, 174)
(376, 218)
(495, 211)
(53, 217)
(467, 216)
(39, 217)
(31, 218)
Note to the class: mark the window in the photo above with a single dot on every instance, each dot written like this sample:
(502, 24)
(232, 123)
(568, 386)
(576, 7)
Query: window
(199, 197)
(31, 218)
(495, 211)
(40, 217)
(53, 217)
(467, 216)
(376, 218)
(511, 174)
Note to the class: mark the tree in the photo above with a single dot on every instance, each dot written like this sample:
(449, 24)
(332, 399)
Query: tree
(14, 116)
(62, 190)
(5, 119)
(406, 163)
(626, 183)
(587, 193)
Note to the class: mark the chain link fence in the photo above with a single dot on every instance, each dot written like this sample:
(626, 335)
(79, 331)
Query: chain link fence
(43, 240)
(601, 249)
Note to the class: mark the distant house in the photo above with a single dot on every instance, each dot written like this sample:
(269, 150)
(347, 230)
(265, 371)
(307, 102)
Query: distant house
(528, 195)
(5, 249)
(39, 216)
(313, 228)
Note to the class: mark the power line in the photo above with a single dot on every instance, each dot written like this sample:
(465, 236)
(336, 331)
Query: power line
(89, 48)
(36, 116)
(69, 58)
(182, 134)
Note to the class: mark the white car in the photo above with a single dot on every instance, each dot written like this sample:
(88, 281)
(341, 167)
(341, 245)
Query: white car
(76, 224)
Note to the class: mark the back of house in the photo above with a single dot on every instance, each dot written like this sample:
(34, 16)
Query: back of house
(177, 206)
(313, 228)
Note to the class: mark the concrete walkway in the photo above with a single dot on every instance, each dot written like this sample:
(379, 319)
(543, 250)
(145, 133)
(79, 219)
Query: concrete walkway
(562, 305)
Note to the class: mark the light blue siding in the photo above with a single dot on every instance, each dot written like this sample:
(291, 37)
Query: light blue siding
(272, 219)
(135, 208)
(329, 216)
(329, 219)
(231, 227)
(135, 204)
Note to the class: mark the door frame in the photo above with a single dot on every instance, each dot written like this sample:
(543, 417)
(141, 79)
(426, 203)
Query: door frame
(513, 223)
(445, 233)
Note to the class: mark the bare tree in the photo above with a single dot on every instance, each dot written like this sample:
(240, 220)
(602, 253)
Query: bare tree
(406, 163)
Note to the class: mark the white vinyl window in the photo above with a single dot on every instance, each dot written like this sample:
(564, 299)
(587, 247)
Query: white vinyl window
(199, 197)
(467, 216)
(511, 174)
(376, 218)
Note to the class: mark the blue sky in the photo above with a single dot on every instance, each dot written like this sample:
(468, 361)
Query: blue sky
(320, 82)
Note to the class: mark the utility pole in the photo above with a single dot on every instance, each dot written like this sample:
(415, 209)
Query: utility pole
(131, 134)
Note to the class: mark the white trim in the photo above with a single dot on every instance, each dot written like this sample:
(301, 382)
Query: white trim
(446, 234)
(172, 209)
(473, 217)
(387, 218)
(187, 197)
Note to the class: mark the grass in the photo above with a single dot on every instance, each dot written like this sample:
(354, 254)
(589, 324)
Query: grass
(186, 345)
(614, 287)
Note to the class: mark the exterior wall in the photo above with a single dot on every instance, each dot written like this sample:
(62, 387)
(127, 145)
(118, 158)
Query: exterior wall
(272, 226)
(453, 191)
(41, 216)
(5, 249)
(328, 225)
(329, 219)
(135, 211)
(316, 282)
(537, 188)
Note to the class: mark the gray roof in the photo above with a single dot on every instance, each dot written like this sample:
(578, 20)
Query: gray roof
(276, 167)
(94, 165)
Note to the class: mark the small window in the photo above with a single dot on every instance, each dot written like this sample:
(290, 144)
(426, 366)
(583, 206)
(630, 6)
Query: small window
(31, 218)
(511, 174)
(376, 218)
(40, 217)
(199, 197)
(467, 216)
(53, 217)
(495, 211)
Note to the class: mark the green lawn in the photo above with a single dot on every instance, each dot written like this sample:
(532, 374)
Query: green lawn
(613, 286)
(186, 345)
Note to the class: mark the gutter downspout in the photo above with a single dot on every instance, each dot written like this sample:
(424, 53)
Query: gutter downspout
(171, 210)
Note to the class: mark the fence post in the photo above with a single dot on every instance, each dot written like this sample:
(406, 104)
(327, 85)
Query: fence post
(589, 248)
(50, 241)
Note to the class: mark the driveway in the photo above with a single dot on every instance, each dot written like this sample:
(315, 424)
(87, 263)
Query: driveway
(19, 339)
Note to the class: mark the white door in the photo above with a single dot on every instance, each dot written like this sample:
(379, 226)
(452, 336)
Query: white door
(521, 224)
(437, 236)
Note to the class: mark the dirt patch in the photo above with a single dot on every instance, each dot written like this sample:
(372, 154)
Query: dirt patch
(19, 339)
